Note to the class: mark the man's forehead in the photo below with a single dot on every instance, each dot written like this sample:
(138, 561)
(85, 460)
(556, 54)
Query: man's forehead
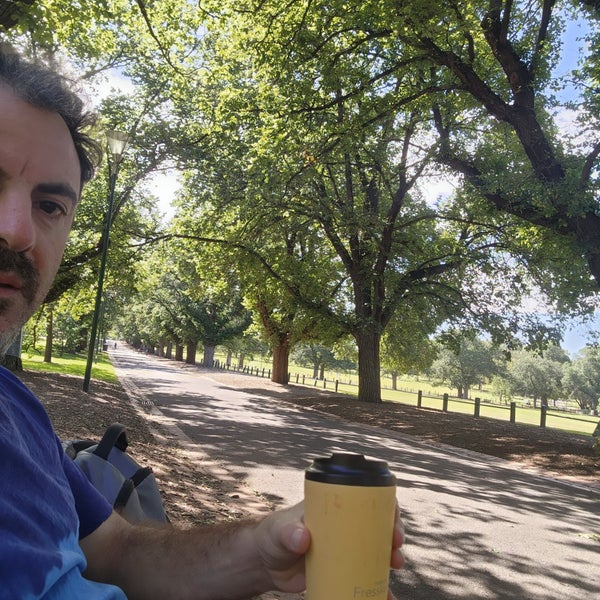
(36, 143)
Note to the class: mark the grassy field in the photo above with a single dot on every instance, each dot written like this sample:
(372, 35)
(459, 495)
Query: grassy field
(71, 364)
(432, 398)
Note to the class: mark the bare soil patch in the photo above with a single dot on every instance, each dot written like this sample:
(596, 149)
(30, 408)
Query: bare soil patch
(195, 497)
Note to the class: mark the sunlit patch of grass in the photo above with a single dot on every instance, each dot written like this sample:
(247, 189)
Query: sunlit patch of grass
(71, 364)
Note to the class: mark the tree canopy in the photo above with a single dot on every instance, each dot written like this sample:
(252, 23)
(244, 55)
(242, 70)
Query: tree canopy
(309, 134)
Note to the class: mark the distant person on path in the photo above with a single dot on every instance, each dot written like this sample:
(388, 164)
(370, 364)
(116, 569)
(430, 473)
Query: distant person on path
(59, 538)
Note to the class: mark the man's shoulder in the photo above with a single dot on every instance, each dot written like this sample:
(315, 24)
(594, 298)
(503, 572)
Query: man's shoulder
(9, 382)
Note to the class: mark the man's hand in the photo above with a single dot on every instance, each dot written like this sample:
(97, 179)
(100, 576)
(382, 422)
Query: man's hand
(232, 561)
(283, 540)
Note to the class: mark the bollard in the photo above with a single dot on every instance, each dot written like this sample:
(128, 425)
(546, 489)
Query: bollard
(303, 378)
(513, 412)
(419, 398)
(297, 376)
(324, 383)
(445, 403)
(336, 385)
(477, 407)
(543, 411)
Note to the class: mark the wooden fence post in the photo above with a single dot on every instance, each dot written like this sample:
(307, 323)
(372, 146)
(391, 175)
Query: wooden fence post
(297, 375)
(445, 403)
(336, 385)
(303, 379)
(419, 398)
(513, 412)
(477, 407)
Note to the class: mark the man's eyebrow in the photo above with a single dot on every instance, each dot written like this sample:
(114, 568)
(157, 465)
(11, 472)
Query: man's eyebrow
(58, 189)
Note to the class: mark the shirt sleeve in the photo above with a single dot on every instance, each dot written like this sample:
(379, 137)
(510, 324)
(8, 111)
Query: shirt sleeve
(91, 506)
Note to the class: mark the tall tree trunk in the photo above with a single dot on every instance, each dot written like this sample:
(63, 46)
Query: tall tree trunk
(241, 360)
(190, 352)
(49, 337)
(315, 370)
(169, 351)
(369, 378)
(281, 361)
(394, 380)
(322, 372)
(178, 351)
(209, 355)
(229, 357)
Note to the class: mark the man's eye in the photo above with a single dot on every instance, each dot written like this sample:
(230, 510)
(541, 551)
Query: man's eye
(50, 207)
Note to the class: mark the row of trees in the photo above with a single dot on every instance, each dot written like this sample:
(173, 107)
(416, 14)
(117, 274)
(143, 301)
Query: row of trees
(307, 135)
(548, 377)
(168, 330)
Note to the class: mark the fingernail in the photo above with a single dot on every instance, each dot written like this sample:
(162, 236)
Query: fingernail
(297, 538)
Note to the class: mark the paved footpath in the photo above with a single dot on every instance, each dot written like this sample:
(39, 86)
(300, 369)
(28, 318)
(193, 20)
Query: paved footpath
(477, 527)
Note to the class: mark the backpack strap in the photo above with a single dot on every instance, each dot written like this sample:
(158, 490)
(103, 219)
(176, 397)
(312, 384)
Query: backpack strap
(124, 494)
(115, 436)
(140, 475)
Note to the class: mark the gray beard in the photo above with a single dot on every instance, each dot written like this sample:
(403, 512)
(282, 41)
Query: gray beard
(6, 340)
(7, 337)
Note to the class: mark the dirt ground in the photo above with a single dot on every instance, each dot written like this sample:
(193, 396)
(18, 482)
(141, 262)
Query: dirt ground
(195, 497)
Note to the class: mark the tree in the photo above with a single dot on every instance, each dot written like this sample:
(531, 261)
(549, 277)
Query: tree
(176, 302)
(316, 356)
(470, 364)
(332, 171)
(538, 377)
(244, 346)
(582, 378)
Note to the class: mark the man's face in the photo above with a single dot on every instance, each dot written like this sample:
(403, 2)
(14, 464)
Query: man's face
(39, 183)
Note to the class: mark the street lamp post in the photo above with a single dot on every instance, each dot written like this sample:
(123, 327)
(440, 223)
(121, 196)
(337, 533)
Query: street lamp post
(116, 145)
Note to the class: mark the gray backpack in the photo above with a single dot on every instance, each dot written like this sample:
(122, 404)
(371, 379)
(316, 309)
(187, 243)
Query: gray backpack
(130, 488)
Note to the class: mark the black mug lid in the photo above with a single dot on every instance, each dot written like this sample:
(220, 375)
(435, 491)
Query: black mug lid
(350, 469)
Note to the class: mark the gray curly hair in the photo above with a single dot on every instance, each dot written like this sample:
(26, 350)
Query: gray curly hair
(43, 88)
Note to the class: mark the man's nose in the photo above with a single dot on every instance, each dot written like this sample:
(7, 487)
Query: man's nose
(17, 230)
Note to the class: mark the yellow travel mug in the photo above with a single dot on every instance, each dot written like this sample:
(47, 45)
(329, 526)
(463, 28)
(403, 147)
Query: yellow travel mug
(349, 509)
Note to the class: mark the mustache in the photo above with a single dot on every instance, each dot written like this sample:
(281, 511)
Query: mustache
(15, 262)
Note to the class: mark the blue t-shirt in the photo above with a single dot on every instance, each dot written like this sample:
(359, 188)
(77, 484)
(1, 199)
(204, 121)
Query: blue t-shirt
(46, 506)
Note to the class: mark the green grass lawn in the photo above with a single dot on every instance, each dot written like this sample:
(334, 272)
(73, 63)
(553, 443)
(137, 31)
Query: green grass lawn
(432, 398)
(71, 364)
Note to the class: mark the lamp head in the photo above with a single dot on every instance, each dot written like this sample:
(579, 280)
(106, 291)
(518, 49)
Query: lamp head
(116, 144)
